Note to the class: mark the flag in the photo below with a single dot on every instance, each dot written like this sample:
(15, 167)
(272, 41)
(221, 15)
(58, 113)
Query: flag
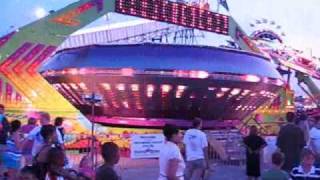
(224, 4)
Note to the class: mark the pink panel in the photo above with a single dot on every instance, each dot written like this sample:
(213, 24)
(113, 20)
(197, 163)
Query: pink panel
(13, 57)
(9, 91)
(28, 58)
(43, 56)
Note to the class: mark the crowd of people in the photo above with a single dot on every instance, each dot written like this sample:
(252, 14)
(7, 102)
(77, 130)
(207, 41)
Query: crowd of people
(36, 152)
(182, 157)
(297, 156)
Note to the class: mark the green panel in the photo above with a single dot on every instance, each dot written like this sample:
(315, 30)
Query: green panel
(51, 33)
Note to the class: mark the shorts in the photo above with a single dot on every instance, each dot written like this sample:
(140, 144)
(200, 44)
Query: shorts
(194, 165)
(197, 164)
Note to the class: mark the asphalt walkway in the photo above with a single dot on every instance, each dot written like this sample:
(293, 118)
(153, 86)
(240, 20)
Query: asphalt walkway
(148, 170)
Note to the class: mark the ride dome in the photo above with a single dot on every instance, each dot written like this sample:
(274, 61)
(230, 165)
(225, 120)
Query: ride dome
(148, 85)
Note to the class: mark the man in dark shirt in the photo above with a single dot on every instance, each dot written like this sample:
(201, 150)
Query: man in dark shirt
(110, 154)
(291, 142)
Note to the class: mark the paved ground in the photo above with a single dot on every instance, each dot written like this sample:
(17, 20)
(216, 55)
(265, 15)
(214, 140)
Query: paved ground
(220, 173)
(148, 170)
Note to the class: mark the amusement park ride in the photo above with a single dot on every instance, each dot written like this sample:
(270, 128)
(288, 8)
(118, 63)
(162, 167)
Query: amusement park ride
(22, 52)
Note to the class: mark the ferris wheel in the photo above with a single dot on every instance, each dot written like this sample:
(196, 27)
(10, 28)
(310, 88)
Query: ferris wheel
(271, 39)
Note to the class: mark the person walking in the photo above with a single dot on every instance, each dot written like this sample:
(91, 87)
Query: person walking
(291, 141)
(254, 144)
(196, 150)
(171, 162)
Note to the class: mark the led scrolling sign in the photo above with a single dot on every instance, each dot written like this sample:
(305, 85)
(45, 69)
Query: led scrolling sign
(175, 13)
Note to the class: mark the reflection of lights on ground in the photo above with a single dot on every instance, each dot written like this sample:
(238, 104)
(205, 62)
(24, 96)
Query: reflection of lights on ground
(40, 12)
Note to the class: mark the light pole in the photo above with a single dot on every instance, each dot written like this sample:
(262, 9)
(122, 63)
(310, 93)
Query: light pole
(92, 99)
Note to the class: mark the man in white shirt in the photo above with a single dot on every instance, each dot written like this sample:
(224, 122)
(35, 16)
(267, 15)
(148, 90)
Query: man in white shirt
(196, 146)
(171, 163)
(314, 136)
(36, 137)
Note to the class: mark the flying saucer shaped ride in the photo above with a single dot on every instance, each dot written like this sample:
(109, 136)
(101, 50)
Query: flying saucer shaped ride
(148, 85)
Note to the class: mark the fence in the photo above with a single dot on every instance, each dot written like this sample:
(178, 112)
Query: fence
(226, 147)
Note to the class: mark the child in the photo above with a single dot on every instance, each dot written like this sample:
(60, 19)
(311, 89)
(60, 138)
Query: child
(276, 173)
(306, 170)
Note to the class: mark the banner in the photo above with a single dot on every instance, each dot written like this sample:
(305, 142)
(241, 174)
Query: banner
(146, 145)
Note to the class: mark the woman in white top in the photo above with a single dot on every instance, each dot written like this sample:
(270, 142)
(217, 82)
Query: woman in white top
(171, 161)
